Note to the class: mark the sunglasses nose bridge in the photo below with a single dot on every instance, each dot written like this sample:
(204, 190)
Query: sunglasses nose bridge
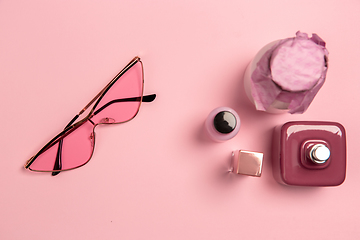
(92, 138)
(106, 120)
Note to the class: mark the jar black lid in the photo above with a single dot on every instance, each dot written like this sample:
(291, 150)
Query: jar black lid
(225, 122)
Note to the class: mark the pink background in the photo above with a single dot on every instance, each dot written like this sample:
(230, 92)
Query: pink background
(158, 176)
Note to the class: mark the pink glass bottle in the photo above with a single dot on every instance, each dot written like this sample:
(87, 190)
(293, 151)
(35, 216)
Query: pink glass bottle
(307, 153)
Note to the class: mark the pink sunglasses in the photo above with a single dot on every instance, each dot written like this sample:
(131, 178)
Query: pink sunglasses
(118, 102)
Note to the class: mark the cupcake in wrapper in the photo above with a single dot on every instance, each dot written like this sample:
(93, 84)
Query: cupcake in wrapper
(285, 75)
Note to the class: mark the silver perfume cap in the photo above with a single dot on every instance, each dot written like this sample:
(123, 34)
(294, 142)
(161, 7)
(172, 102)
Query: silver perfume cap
(319, 153)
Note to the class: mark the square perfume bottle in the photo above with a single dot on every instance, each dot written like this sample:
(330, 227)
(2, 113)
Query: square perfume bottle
(309, 153)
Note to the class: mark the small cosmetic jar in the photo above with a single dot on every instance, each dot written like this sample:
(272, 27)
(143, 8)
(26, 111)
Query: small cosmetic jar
(222, 124)
(247, 163)
(309, 153)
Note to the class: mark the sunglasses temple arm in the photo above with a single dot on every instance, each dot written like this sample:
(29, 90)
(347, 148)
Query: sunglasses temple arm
(147, 98)
(58, 162)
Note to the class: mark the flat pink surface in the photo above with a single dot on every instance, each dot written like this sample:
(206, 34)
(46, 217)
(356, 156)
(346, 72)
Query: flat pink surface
(158, 176)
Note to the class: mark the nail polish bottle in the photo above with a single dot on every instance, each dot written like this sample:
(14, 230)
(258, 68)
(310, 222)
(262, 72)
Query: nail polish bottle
(222, 124)
(309, 153)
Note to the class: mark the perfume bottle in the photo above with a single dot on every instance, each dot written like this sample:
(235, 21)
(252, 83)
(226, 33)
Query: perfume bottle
(222, 124)
(309, 153)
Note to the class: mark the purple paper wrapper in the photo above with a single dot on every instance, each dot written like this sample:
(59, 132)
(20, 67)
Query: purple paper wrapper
(292, 72)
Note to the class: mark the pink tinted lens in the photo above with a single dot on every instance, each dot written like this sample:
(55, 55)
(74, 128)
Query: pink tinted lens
(77, 148)
(122, 101)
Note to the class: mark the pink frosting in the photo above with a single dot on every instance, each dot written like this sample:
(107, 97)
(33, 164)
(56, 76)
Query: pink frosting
(292, 71)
